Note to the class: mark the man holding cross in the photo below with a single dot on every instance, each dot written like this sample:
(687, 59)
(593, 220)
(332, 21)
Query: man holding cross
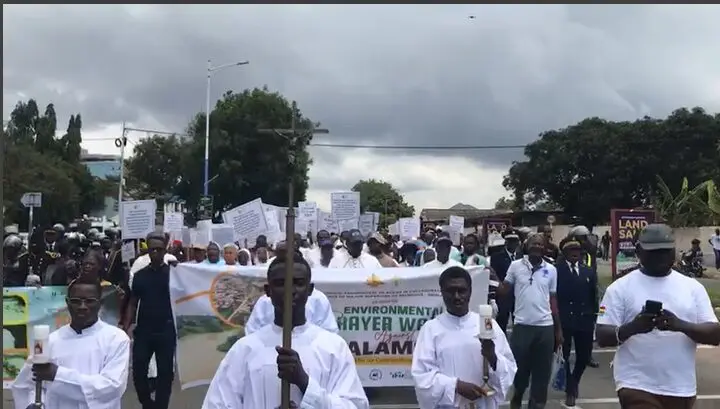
(319, 367)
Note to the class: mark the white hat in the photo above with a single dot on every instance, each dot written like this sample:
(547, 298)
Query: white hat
(579, 231)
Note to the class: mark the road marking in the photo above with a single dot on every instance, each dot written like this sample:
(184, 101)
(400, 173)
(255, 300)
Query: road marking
(613, 350)
(596, 401)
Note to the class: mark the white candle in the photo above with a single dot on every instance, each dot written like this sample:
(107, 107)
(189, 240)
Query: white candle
(486, 326)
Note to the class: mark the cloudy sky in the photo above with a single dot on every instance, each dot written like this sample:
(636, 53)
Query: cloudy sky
(421, 75)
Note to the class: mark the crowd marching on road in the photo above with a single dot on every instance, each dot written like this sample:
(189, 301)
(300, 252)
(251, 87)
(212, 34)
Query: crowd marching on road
(545, 301)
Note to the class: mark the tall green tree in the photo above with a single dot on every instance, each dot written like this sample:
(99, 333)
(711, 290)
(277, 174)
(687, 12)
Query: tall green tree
(596, 165)
(505, 203)
(380, 196)
(244, 164)
(36, 161)
(155, 168)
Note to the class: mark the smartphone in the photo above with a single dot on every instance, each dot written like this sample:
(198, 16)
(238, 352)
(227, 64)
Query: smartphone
(653, 307)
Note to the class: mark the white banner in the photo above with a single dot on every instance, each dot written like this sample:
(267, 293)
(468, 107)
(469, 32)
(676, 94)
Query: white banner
(379, 313)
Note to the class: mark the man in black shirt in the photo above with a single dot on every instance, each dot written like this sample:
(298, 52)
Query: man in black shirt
(154, 332)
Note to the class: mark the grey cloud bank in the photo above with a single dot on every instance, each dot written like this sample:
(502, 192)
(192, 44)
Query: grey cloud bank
(385, 74)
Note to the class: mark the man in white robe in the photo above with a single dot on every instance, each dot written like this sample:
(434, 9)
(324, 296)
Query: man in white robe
(319, 367)
(89, 359)
(447, 364)
(354, 257)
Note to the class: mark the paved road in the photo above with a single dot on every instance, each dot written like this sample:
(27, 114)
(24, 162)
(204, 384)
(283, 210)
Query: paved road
(597, 389)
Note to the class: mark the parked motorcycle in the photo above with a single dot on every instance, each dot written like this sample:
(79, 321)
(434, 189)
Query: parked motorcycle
(691, 268)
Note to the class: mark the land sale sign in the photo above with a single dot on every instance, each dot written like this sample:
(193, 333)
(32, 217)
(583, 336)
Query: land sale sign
(625, 226)
(378, 311)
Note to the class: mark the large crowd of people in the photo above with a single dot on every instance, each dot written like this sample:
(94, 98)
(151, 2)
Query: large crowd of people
(545, 297)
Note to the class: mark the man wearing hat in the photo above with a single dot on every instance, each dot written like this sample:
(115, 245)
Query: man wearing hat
(443, 246)
(500, 260)
(377, 247)
(582, 235)
(354, 257)
(321, 256)
(577, 298)
(656, 317)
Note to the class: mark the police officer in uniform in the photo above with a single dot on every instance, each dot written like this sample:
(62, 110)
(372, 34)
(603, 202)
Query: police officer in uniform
(15, 262)
(577, 297)
(582, 235)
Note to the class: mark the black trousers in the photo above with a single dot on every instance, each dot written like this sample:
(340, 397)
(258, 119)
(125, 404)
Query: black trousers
(533, 348)
(506, 306)
(583, 341)
(145, 344)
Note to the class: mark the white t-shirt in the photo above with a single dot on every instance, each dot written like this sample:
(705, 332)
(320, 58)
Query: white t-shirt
(715, 240)
(659, 362)
(532, 299)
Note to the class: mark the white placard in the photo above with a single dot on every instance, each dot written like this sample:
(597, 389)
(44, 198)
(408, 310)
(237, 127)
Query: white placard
(307, 210)
(408, 228)
(137, 218)
(186, 239)
(128, 251)
(365, 224)
(173, 222)
(457, 226)
(376, 220)
(393, 229)
(247, 221)
(273, 234)
(326, 222)
(345, 205)
(223, 234)
(346, 225)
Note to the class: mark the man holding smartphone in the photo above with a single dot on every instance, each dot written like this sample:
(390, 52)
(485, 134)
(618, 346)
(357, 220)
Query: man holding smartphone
(656, 311)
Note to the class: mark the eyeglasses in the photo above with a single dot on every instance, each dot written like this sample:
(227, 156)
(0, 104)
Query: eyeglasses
(77, 302)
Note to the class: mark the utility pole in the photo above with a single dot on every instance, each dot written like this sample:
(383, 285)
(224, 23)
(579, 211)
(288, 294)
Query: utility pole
(298, 139)
(121, 143)
(210, 70)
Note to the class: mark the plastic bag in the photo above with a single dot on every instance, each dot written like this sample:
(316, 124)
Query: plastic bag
(559, 376)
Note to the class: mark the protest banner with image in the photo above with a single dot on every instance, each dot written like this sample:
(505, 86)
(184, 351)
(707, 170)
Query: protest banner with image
(379, 313)
(25, 307)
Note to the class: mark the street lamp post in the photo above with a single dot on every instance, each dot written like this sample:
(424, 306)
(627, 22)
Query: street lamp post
(295, 137)
(210, 70)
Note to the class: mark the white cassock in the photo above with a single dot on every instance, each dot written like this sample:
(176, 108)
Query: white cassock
(447, 349)
(92, 370)
(343, 259)
(314, 257)
(247, 377)
(318, 311)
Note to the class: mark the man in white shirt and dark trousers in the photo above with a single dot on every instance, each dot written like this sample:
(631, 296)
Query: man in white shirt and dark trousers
(536, 331)
(715, 243)
(657, 317)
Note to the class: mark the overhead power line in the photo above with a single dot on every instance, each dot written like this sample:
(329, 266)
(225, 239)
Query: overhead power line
(404, 147)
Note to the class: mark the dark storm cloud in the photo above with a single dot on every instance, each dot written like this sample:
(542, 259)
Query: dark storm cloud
(403, 75)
